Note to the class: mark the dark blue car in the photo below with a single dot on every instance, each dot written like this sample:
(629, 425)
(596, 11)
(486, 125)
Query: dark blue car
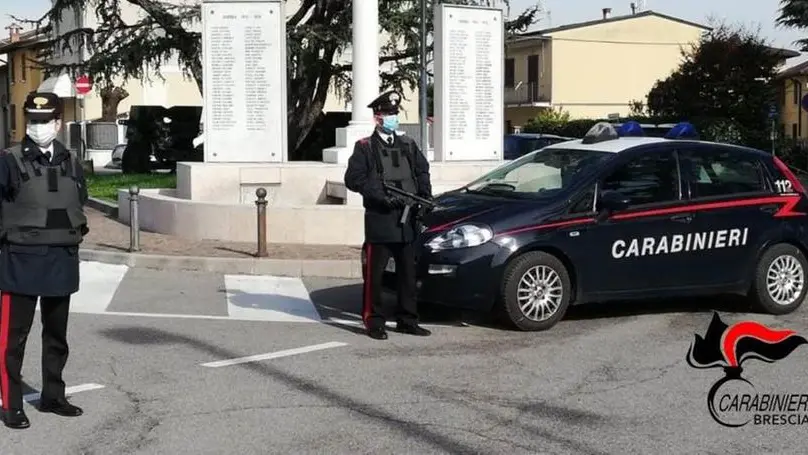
(520, 144)
(615, 217)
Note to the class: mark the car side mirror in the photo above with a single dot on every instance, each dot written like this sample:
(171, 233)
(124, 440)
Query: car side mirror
(612, 201)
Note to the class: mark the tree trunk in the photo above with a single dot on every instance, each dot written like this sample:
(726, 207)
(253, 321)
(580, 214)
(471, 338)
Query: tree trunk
(111, 97)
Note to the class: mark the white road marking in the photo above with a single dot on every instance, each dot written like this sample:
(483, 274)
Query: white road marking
(97, 285)
(275, 355)
(33, 397)
(269, 298)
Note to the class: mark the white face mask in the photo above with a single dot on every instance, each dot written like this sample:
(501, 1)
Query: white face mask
(42, 134)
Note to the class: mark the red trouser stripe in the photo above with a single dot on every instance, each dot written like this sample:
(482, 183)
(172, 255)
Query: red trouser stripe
(5, 322)
(367, 302)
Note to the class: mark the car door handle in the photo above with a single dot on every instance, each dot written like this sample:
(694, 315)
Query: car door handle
(682, 218)
(769, 208)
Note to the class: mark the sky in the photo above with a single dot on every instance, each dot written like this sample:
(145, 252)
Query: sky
(754, 13)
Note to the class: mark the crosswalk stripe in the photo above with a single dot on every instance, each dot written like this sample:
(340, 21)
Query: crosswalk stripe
(97, 286)
(269, 298)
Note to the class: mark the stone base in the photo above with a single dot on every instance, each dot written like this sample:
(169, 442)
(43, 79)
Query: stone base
(345, 140)
(307, 201)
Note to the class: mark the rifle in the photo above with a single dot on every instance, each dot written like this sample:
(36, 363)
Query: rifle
(405, 215)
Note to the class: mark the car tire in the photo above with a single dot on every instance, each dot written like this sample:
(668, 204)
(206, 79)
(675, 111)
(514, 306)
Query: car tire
(518, 273)
(778, 258)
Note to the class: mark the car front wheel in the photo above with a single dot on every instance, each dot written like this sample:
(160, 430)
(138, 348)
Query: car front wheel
(536, 291)
(780, 280)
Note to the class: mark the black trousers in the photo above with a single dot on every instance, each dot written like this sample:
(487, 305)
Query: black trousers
(16, 316)
(376, 256)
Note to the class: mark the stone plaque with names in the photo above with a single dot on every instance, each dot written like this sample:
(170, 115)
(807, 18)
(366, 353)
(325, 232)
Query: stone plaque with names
(469, 81)
(244, 81)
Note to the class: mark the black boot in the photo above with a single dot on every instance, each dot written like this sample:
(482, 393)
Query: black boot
(16, 419)
(412, 329)
(60, 407)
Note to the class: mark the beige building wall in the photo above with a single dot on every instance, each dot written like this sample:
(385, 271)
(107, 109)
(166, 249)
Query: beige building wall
(598, 70)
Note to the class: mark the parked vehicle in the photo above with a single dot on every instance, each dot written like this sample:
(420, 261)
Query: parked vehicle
(617, 216)
(520, 144)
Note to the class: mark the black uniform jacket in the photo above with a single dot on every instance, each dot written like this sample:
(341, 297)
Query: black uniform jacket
(50, 271)
(364, 176)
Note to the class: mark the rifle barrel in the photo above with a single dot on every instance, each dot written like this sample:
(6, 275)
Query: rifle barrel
(409, 195)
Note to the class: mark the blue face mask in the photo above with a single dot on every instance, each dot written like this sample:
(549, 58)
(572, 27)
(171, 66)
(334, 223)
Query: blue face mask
(390, 123)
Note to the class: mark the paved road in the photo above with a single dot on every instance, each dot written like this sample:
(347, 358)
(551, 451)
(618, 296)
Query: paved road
(604, 381)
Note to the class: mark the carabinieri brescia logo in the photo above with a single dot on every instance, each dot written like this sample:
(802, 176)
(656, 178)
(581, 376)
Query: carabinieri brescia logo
(733, 401)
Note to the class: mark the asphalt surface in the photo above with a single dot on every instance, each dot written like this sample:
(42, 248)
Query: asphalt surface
(607, 380)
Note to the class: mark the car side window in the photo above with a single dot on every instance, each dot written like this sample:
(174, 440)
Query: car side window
(585, 202)
(717, 172)
(647, 179)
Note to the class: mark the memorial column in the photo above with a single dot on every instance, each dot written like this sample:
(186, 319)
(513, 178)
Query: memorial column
(365, 57)
(365, 77)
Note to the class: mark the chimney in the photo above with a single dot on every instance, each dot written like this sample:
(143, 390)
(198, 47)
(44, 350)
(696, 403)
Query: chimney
(633, 8)
(607, 12)
(14, 32)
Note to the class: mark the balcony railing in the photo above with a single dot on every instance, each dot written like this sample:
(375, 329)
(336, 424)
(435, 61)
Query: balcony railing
(525, 94)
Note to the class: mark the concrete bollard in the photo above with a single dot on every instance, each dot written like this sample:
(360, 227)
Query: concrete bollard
(134, 222)
(261, 207)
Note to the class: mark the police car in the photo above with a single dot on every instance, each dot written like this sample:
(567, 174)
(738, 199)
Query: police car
(618, 215)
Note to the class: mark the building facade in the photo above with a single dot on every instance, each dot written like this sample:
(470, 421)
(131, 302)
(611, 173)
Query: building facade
(596, 68)
(22, 76)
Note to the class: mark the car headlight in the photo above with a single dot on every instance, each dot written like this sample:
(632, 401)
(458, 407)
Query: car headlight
(463, 236)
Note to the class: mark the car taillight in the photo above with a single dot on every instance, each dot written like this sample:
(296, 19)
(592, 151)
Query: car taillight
(795, 182)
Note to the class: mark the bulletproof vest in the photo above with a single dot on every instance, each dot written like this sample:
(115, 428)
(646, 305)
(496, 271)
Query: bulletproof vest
(396, 167)
(46, 209)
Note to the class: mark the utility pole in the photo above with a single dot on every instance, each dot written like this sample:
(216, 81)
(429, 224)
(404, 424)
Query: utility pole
(422, 90)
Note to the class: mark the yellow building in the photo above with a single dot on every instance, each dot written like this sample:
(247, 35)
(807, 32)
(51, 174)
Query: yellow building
(793, 86)
(593, 69)
(24, 76)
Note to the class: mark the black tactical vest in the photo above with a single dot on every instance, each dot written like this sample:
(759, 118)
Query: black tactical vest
(47, 208)
(396, 167)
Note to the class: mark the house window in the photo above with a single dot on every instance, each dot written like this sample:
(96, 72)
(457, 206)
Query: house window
(13, 116)
(796, 93)
(510, 72)
(793, 130)
(10, 60)
(23, 66)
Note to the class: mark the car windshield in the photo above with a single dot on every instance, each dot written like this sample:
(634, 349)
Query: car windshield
(541, 173)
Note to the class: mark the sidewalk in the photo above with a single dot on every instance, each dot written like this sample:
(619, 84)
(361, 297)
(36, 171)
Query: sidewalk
(108, 241)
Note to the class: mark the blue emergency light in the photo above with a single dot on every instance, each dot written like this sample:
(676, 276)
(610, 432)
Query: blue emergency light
(631, 128)
(683, 130)
(601, 131)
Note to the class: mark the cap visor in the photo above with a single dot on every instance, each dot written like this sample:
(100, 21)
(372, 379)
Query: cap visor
(40, 116)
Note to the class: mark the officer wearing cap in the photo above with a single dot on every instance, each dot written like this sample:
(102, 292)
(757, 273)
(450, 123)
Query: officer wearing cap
(42, 222)
(395, 159)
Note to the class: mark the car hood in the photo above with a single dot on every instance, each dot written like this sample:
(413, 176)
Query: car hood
(457, 207)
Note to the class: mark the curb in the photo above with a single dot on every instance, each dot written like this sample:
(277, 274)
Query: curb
(318, 268)
(103, 206)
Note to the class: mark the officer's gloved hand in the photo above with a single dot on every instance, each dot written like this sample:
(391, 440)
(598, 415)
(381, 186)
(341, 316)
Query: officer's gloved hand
(393, 202)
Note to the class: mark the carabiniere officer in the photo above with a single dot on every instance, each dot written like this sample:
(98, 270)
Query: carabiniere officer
(396, 159)
(42, 222)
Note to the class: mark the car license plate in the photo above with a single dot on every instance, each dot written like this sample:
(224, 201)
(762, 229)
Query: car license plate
(391, 266)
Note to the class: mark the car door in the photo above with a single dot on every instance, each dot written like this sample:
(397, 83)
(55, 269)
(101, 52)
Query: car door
(732, 208)
(631, 251)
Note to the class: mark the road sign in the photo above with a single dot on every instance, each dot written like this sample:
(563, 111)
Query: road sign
(83, 85)
(772, 111)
